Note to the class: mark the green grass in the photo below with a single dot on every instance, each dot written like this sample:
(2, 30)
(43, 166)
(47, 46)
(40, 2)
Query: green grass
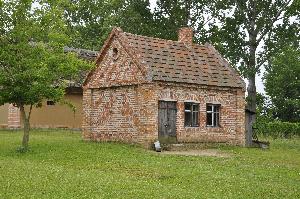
(61, 165)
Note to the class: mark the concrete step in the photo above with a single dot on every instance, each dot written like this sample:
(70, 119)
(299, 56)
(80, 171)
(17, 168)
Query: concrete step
(188, 146)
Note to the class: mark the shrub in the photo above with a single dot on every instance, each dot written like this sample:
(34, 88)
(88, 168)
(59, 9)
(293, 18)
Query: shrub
(277, 129)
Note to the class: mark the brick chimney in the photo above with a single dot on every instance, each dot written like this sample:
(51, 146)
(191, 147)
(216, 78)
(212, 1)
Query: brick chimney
(185, 35)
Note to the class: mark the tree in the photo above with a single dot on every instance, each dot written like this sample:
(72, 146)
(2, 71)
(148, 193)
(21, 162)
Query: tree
(90, 22)
(249, 32)
(264, 109)
(33, 65)
(282, 82)
(170, 15)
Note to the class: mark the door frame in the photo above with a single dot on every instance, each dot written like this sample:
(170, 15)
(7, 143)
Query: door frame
(167, 139)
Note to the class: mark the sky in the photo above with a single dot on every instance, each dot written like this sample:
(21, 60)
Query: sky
(259, 82)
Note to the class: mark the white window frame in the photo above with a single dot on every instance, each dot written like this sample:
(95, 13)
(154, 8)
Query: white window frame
(192, 113)
(215, 109)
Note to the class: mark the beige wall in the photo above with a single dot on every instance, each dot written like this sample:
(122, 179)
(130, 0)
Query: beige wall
(3, 115)
(58, 115)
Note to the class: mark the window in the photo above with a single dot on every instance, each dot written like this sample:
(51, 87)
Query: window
(191, 114)
(115, 53)
(50, 103)
(213, 115)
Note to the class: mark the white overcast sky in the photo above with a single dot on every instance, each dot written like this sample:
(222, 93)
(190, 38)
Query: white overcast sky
(259, 84)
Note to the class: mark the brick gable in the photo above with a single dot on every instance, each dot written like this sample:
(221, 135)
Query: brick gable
(115, 71)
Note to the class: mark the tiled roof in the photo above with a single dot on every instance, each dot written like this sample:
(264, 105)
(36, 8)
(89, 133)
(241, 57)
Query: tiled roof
(83, 54)
(174, 61)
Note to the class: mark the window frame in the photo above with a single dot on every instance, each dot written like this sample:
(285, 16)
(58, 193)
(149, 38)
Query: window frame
(115, 53)
(50, 103)
(192, 111)
(215, 110)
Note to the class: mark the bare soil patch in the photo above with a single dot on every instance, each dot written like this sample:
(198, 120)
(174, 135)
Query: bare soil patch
(199, 152)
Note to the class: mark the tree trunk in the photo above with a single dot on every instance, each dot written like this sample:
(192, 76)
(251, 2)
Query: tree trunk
(26, 124)
(251, 89)
(251, 105)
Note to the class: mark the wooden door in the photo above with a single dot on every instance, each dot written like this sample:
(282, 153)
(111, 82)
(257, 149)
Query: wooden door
(167, 121)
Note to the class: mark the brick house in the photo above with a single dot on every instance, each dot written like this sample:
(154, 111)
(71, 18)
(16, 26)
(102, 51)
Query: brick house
(145, 88)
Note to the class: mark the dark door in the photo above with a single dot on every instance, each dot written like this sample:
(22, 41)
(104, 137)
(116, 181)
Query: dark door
(167, 121)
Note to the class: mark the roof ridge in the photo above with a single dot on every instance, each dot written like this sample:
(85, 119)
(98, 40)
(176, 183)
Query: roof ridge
(71, 49)
(168, 40)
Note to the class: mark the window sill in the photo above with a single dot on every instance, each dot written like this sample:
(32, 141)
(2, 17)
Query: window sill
(191, 126)
(213, 126)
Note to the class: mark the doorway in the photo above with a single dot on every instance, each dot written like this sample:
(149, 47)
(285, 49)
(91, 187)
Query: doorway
(167, 121)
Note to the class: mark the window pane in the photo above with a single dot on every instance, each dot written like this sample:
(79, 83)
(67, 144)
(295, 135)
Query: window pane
(209, 119)
(162, 104)
(216, 119)
(209, 108)
(50, 103)
(187, 119)
(172, 105)
(217, 116)
(187, 106)
(195, 107)
(195, 119)
(217, 109)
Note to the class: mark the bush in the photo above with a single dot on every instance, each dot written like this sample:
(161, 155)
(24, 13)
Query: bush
(277, 129)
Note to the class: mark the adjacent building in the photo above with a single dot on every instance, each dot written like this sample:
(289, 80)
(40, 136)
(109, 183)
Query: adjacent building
(52, 115)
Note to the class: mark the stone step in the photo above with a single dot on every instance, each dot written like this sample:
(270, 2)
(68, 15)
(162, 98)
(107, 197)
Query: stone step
(188, 146)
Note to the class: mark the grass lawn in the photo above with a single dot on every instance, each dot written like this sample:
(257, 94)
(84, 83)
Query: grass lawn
(61, 165)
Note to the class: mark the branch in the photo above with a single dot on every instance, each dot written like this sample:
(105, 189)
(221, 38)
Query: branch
(239, 6)
(258, 65)
(264, 54)
(30, 109)
(208, 20)
(269, 25)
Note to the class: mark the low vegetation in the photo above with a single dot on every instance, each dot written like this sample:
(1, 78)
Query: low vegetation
(278, 129)
(60, 165)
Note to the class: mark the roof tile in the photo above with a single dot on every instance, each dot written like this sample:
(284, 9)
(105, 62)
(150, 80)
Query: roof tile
(177, 62)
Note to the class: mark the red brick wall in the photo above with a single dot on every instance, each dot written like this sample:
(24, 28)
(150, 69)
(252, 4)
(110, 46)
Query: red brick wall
(185, 35)
(112, 114)
(130, 113)
(14, 117)
(232, 121)
(120, 114)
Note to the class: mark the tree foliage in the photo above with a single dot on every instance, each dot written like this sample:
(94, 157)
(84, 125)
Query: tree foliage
(90, 22)
(282, 82)
(33, 64)
(249, 32)
(170, 15)
(263, 26)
